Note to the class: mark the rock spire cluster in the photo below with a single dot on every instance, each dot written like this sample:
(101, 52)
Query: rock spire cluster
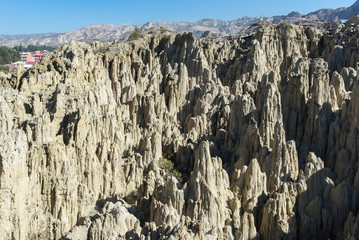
(171, 138)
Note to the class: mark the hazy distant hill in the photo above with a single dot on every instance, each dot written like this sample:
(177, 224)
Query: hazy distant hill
(9, 37)
(87, 34)
(110, 32)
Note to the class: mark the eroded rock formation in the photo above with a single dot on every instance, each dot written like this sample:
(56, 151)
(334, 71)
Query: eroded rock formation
(262, 135)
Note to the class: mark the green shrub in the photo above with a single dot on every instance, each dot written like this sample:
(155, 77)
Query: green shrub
(135, 35)
(4, 69)
(163, 30)
(285, 25)
(167, 164)
(101, 49)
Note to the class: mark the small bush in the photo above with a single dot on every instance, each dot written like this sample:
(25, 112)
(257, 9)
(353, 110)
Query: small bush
(4, 69)
(135, 35)
(167, 164)
(163, 30)
(101, 49)
(285, 25)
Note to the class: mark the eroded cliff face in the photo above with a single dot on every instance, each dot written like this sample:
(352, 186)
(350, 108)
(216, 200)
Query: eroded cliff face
(263, 132)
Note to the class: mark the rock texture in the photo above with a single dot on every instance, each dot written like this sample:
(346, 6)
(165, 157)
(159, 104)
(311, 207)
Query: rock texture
(172, 138)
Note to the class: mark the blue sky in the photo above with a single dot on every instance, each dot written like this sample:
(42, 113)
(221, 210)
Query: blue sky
(42, 16)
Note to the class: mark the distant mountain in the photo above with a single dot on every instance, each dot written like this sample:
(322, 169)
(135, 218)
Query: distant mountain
(326, 15)
(110, 32)
(24, 36)
(350, 12)
(87, 34)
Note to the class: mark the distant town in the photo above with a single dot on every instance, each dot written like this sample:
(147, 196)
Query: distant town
(28, 59)
(20, 57)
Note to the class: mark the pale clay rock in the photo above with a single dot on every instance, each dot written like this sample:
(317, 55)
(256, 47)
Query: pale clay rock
(263, 131)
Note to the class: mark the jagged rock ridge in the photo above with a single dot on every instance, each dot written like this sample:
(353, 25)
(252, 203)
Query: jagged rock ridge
(263, 131)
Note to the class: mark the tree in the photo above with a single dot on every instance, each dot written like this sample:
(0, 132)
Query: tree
(15, 55)
(5, 54)
(33, 48)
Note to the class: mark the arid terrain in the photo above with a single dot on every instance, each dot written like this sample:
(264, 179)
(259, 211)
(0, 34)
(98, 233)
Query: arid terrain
(167, 137)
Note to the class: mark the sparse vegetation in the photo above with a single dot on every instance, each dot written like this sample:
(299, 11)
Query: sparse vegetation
(101, 49)
(167, 163)
(4, 69)
(285, 25)
(135, 35)
(163, 29)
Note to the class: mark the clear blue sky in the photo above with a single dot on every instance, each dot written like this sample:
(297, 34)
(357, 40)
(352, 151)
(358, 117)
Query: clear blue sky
(41, 16)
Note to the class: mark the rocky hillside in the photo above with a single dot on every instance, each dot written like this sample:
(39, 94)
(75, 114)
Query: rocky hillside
(89, 34)
(105, 33)
(172, 138)
(332, 14)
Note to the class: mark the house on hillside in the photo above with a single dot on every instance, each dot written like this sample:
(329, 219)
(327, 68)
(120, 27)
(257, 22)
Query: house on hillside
(38, 55)
(31, 58)
(26, 57)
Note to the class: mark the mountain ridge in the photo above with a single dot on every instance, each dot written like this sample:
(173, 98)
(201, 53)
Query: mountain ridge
(110, 32)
